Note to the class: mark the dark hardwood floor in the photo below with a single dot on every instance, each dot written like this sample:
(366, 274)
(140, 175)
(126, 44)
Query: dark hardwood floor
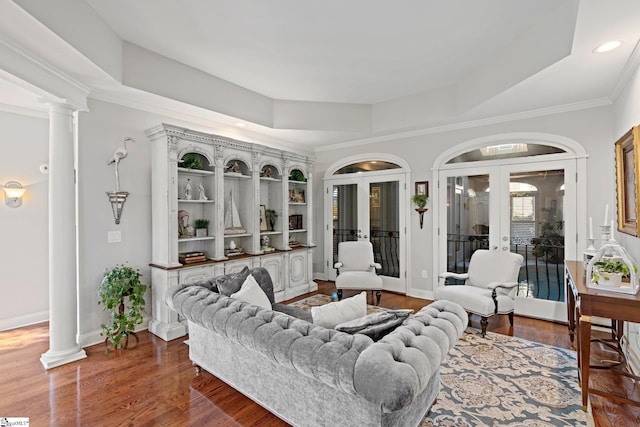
(154, 384)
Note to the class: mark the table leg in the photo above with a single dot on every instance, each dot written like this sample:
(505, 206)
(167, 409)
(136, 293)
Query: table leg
(584, 336)
(571, 312)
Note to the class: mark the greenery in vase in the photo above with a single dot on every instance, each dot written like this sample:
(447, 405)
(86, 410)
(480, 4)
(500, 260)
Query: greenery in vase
(611, 267)
(201, 223)
(271, 215)
(191, 161)
(420, 200)
(117, 284)
(297, 175)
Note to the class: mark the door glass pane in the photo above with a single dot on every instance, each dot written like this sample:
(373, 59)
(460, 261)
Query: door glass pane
(384, 223)
(345, 215)
(467, 220)
(537, 232)
(505, 151)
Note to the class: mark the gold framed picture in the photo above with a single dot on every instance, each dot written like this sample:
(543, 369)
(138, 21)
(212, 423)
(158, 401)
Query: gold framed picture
(628, 181)
(422, 187)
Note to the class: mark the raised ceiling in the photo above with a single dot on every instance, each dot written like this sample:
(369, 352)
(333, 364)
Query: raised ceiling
(316, 73)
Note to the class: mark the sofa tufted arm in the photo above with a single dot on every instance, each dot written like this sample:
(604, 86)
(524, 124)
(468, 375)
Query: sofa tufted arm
(406, 359)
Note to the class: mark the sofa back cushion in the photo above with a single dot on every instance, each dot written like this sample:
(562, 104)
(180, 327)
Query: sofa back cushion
(231, 283)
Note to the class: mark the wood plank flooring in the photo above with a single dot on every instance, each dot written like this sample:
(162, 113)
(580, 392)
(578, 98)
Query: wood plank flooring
(154, 384)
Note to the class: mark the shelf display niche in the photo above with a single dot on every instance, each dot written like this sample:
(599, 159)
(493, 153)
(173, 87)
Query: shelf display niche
(196, 185)
(271, 189)
(239, 216)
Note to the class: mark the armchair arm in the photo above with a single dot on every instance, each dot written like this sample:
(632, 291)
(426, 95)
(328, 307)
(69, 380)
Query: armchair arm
(459, 276)
(494, 290)
(505, 285)
(337, 265)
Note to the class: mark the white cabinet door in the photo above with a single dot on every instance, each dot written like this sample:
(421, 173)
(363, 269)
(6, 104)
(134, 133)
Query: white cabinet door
(195, 275)
(298, 267)
(273, 264)
(237, 266)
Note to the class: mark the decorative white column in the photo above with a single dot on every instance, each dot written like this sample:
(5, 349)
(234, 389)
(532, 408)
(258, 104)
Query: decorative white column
(63, 294)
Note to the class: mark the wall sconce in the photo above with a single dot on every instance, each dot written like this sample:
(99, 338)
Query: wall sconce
(13, 192)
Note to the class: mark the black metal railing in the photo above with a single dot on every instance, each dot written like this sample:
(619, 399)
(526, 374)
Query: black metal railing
(541, 275)
(386, 251)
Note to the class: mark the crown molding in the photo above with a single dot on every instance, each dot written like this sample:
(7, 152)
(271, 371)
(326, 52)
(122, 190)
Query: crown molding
(212, 125)
(547, 111)
(25, 111)
(627, 73)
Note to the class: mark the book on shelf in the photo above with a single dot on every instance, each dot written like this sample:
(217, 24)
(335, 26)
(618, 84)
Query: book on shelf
(192, 261)
(190, 254)
(191, 257)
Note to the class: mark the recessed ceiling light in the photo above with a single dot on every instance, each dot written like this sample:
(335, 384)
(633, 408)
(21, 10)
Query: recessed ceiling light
(240, 124)
(606, 47)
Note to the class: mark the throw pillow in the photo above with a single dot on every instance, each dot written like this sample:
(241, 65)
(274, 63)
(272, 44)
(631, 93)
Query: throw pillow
(375, 325)
(334, 313)
(252, 293)
(231, 283)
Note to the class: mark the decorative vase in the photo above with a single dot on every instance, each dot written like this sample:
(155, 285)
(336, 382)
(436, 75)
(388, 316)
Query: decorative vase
(610, 279)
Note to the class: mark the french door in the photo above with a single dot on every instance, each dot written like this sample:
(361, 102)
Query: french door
(519, 207)
(369, 208)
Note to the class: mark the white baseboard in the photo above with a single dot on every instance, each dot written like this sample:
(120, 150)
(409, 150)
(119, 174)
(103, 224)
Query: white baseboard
(319, 276)
(420, 293)
(25, 320)
(94, 337)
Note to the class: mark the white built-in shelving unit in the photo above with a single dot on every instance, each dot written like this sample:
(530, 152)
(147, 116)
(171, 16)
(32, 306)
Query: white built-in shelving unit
(240, 182)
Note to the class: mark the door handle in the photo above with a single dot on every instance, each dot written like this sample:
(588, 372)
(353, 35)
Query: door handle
(365, 236)
(494, 248)
(505, 248)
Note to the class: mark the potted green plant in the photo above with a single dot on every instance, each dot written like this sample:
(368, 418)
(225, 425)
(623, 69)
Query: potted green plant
(297, 175)
(610, 272)
(420, 200)
(121, 292)
(271, 215)
(191, 161)
(201, 226)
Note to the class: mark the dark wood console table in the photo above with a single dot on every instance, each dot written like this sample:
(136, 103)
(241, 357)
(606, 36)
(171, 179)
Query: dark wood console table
(584, 302)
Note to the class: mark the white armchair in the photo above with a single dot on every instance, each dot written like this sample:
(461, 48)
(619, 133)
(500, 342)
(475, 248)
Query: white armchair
(356, 268)
(490, 285)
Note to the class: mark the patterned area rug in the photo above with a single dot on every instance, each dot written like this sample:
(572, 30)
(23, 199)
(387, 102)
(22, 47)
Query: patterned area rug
(506, 381)
(501, 381)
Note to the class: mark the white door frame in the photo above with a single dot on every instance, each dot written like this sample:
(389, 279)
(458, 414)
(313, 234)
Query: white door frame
(574, 159)
(400, 174)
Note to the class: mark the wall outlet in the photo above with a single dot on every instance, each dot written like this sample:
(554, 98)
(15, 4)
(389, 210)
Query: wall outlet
(424, 274)
(114, 236)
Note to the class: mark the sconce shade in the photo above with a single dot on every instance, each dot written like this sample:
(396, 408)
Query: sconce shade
(13, 193)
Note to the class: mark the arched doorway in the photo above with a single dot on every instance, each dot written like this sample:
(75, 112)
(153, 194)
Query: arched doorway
(519, 193)
(363, 200)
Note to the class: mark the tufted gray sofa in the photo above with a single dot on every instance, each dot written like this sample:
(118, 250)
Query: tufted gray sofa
(312, 376)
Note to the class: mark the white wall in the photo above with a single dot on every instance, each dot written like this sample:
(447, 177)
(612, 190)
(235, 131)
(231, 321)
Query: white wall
(591, 128)
(626, 113)
(24, 282)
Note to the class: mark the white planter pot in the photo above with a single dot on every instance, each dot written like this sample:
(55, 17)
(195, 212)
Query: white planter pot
(201, 232)
(610, 279)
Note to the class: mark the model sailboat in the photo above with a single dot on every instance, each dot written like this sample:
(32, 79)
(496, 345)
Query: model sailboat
(232, 224)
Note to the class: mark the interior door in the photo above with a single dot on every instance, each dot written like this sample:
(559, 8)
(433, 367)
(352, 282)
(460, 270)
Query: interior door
(518, 208)
(368, 208)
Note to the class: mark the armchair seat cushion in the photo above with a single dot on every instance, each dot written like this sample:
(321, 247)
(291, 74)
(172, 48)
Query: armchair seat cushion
(474, 299)
(358, 280)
